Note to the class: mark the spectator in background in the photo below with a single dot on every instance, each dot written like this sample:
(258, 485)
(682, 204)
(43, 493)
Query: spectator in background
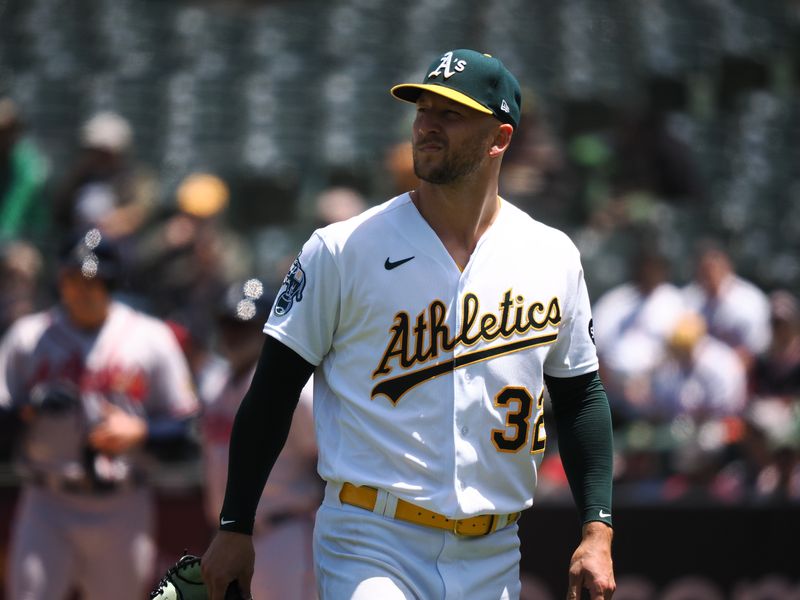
(93, 385)
(632, 323)
(23, 174)
(735, 310)
(104, 188)
(336, 204)
(768, 458)
(701, 377)
(186, 259)
(20, 269)
(777, 370)
(766, 465)
(283, 528)
(765, 460)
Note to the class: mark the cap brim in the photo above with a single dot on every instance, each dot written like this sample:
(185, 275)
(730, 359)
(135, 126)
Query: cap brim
(409, 92)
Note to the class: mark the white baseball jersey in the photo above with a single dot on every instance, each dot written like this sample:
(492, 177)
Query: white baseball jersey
(429, 380)
(739, 316)
(631, 328)
(133, 361)
(713, 385)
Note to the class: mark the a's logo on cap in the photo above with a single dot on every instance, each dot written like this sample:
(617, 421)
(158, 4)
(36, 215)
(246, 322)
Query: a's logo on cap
(504, 106)
(450, 67)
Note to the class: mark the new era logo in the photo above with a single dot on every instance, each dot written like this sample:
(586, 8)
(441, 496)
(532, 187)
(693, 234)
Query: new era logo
(504, 106)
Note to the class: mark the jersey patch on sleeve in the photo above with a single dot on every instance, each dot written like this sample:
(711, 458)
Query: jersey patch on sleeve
(291, 289)
(591, 331)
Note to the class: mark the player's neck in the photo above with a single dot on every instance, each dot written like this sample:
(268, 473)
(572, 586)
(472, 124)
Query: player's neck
(88, 320)
(89, 324)
(459, 215)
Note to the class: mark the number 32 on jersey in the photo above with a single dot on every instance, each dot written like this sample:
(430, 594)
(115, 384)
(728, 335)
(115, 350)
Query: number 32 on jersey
(519, 402)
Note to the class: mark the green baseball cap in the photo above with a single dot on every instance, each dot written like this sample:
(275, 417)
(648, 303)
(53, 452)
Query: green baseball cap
(477, 80)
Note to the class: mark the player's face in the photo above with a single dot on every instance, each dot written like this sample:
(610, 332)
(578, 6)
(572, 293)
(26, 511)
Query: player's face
(450, 141)
(712, 269)
(85, 300)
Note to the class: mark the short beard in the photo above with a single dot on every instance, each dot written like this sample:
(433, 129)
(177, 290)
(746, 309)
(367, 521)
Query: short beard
(456, 165)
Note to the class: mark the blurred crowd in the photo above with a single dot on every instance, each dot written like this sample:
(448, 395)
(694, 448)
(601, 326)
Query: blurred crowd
(704, 383)
(130, 327)
(702, 367)
(177, 248)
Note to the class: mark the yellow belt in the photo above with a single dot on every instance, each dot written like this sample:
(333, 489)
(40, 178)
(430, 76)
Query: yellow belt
(366, 497)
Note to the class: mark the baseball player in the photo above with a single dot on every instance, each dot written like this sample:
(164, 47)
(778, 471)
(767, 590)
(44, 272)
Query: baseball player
(433, 323)
(93, 382)
(284, 519)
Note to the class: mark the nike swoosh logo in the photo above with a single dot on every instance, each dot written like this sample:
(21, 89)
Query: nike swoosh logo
(603, 515)
(226, 521)
(389, 265)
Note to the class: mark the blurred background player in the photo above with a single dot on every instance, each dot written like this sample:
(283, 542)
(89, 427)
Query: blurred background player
(777, 370)
(21, 267)
(735, 310)
(700, 376)
(284, 524)
(93, 385)
(632, 323)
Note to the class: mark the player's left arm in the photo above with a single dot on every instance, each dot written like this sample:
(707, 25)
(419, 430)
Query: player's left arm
(583, 422)
(165, 427)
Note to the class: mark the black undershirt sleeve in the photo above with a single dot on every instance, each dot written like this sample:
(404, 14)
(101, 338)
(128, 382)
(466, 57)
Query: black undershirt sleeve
(585, 441)
(260, 430)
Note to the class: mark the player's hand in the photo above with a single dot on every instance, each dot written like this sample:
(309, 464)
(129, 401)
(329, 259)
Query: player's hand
(118, 432)
(591, 567)
(229, 557)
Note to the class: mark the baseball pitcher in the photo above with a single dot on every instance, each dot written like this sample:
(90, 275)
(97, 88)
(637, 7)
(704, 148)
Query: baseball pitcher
(433, 324)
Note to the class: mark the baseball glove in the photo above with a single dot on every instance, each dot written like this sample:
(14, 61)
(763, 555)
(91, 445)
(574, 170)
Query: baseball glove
(184, 581)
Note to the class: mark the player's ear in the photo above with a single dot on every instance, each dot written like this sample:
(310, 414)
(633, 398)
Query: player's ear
(502, 138)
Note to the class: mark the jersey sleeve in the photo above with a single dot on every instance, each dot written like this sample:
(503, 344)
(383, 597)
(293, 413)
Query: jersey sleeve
(305, 313)
(173, 391)
(6, 373)
(574, 352)
(11, 392)
(757, 334)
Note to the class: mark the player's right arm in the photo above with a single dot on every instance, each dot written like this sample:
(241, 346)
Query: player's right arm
(259, 433)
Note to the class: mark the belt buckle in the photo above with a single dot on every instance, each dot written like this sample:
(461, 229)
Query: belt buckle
(456, 532)
(489, 530)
